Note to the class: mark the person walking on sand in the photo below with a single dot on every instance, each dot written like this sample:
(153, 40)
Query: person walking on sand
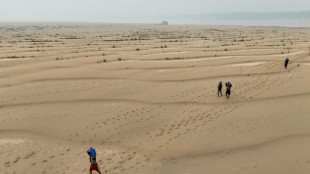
(92, 159)
(228, 86)
(219, 89)
(286, 62)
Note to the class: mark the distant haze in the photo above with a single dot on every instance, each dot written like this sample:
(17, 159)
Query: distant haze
(148, 11)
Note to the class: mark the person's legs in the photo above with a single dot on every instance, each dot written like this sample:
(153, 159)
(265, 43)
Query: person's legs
(90, 172)
(95, 167)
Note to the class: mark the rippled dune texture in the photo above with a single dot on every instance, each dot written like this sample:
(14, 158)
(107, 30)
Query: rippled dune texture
(145, 97)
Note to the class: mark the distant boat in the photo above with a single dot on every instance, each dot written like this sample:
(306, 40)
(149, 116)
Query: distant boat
(164, 22)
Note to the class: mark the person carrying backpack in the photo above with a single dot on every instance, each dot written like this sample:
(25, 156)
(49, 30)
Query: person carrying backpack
(92, 159)
(219, 89)
(228, 87)
(286, 62)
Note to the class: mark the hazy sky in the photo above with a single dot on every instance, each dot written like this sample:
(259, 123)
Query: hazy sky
(122, 10)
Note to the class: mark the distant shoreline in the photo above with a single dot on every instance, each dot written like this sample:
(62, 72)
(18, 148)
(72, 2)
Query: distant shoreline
(241, 23)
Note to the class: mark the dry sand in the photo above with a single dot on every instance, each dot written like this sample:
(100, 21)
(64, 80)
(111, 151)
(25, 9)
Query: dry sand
(145, 97)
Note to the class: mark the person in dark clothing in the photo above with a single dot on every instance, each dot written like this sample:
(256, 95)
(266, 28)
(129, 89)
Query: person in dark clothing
(228, 86)
(219, 89)
(286, 62)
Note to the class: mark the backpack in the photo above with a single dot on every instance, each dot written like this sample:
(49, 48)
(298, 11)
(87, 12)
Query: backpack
(229, 84)
(92, 152)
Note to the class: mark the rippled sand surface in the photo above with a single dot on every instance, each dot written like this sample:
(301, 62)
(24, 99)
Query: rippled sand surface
(145, 97)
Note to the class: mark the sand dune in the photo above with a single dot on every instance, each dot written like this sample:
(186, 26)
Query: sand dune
(145, 97)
